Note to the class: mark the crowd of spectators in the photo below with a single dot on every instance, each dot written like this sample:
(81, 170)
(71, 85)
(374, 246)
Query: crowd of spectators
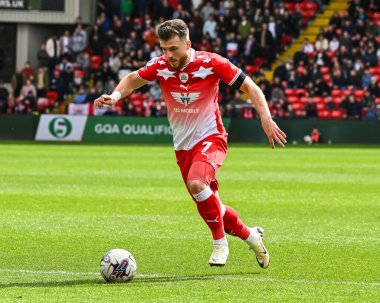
(338, 75)
(85, 62)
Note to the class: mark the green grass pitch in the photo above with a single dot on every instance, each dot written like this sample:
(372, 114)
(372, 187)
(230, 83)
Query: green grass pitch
(63, 206)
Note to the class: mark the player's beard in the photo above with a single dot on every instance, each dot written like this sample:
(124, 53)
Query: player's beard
(179, 63)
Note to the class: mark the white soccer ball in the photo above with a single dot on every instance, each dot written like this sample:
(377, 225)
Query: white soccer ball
(118, 265)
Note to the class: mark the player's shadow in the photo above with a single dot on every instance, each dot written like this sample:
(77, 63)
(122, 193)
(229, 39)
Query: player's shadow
(210, 276)
(137, 280)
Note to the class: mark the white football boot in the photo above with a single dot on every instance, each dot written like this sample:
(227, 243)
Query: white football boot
(219, 255)
(257, 245)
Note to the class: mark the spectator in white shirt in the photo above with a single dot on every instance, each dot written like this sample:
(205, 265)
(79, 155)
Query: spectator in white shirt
(307, 46)
(209, 27)
(334, 44)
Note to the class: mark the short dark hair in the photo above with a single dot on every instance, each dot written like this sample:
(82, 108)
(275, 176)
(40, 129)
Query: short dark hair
(171, 28)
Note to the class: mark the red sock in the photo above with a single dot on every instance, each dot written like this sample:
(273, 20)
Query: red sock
(209, 209)
(233, 225)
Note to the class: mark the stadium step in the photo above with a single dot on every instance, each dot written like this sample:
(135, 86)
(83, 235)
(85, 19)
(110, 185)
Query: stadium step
(320, 20)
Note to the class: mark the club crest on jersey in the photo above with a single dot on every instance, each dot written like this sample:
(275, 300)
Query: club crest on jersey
(183, 77)
(185, 98)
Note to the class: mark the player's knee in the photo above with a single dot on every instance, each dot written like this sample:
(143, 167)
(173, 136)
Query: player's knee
(195, 186)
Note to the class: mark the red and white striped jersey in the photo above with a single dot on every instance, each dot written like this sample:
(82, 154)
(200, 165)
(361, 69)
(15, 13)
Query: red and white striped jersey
(191, 94)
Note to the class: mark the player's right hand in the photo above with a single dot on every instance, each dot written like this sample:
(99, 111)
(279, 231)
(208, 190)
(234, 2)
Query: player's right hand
(104, 99)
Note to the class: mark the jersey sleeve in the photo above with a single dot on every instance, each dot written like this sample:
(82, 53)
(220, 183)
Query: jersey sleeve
(149, 71)
(225, 70)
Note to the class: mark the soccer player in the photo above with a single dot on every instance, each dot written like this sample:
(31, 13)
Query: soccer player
(189, 81)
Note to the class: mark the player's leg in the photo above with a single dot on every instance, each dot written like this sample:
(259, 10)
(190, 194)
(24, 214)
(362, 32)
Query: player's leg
(234, 226)
(209, 207)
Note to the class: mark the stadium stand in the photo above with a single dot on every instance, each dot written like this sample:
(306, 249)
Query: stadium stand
(333, 73)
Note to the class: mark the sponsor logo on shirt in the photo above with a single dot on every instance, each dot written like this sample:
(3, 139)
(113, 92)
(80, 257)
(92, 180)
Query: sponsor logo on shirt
(185, 98)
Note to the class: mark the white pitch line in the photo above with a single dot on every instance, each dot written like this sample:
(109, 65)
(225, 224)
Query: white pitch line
(225, 277)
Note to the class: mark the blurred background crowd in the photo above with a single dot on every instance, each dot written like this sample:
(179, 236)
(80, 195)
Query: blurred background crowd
(337, 76)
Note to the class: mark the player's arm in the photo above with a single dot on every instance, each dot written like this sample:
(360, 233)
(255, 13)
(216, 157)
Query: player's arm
(125, 87)
(270, 127)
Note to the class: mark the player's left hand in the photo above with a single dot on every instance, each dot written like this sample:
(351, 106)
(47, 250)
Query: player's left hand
(104, 100)
(273, 132)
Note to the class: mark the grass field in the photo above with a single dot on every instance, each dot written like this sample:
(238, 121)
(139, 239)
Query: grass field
(63, 206)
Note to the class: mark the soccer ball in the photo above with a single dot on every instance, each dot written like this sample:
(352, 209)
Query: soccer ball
(118, 265)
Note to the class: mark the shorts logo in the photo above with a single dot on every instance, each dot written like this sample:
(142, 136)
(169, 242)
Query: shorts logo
(183, 77)
(60, 127)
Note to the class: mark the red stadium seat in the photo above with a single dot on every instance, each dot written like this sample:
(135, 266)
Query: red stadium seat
(326, 77)
(301, 92)
(292, 99)
(347, 92)
(374, 70)
(300, 69)
(336, 93)
(359, 94)
(290, 92)
(311, 6)
(95, 62)
(79, 73)
(323, 114)
(42, 104)
(325, 70)
(290, 6)
(259, 62)
(304, 99)
(297, 106)
(286, 39)
(321, 106)
(317, 100)
(377, 100)
(330, 54)
(52, 95)
(137, 102)
(337, 114)
(134, 96)
(299, 113)
(252, 69)
(376, 15)
(337, 100)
